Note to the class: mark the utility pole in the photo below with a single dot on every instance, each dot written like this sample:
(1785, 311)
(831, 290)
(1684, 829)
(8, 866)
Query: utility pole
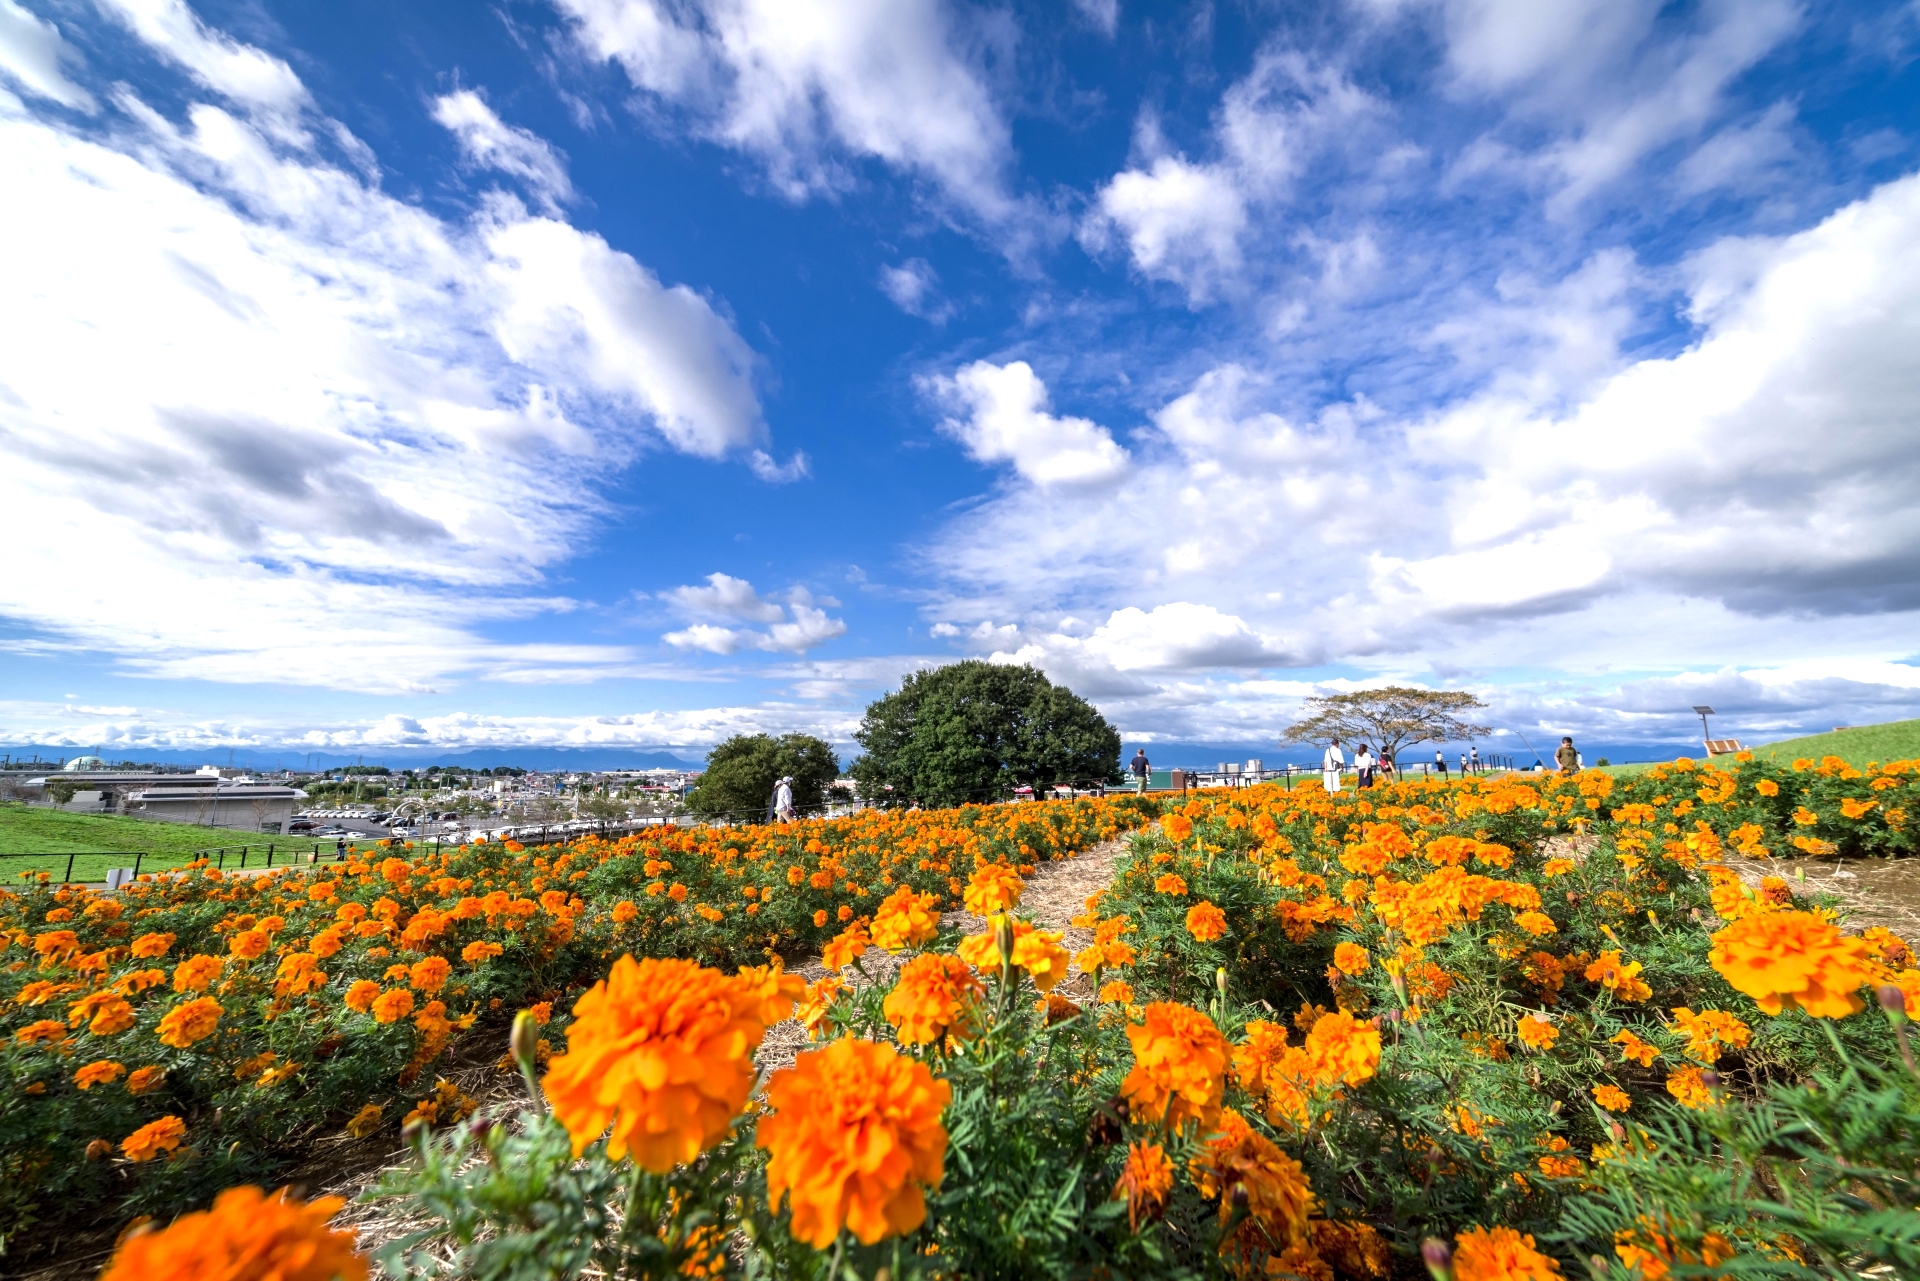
(1703, 712)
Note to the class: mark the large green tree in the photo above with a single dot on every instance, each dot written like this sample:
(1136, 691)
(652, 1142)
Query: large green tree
(741, 773)
(974, 731)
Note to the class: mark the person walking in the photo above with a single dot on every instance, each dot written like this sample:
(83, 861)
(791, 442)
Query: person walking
(1142, 771)
(1331, 763)
(340, 850)
(783, 800)
(1566, 758)
(1363, 767)
(1440, 763)
(1474, 758)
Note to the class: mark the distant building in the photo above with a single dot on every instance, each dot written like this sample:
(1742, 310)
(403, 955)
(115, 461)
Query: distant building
(207, 798)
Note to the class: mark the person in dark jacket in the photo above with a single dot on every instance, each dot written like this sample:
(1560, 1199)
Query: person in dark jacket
(1142, 771)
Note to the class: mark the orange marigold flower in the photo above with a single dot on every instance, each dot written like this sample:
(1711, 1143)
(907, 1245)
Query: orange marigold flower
(1170, 884)
(392, 1005)
(1117, 992)
(1687, 1086)
(1343, 1048)
(192, 1021)
(297, 974)
(853, 1136)
(1354, 1249)
(1557, 867)
(1650, 1253)
(41, 1030)
(1351, 958)
(1145, 1182)
(148, 945)
(1177, 827)
(1612, 1097)
(197, 973)
(431, 974)
(624, 911)
(474, 953)
(153, 1138)
(1279, 1199)
(1036, 951)
(905, 919)
(663, 1051)
(145, 1080)
(248, 944)
(361, 995)
(1500, 1254)
(819, 998)
(1205, 921)
(1179, 1066)
(1538, 924)
(993, 887)
(1620, 977)
(932, 998)
(1635, 1049)
(245, 1235)
(1537, 1032)
(1708, 1030)
(1793, 959)
(99, 1072)
(846, 946)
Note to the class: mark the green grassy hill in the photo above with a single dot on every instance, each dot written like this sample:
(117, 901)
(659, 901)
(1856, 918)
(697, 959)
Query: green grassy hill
(101, 841)
(1893, 741)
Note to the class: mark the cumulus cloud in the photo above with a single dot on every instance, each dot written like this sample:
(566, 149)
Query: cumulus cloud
(271, 385)
(796, 627)
(488, 142)
(812, 87)
(1005, 419)
(1747, 492)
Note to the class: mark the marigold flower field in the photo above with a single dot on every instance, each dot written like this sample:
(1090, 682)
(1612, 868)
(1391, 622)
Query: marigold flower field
(1512, 1027)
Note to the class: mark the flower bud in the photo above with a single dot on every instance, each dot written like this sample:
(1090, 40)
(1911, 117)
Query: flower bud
(1438, 1257)
(1220, 981)
(413, 1132)
(1710, 1079)
(1891, 998)
(99, 1149)
(524, 1040)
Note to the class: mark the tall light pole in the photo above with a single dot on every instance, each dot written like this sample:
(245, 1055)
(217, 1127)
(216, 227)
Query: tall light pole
(1703, 713)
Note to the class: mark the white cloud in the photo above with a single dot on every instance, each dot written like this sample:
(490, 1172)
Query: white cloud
(490, 143)
(914, 288)
(1743, 495)
(31, 53)
(728, 597)
(798, 627)
(1614, 77)
(809, 85)
(249, 77)
(1006, 420)
(1103, 14)
(1184, 221)
(359, 430)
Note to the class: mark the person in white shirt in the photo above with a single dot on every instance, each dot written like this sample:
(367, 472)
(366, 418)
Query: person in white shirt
(783, 801)
(1363, 766)
(1330, 766)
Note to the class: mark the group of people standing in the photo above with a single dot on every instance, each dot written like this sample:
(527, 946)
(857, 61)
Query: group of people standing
(1368, 767)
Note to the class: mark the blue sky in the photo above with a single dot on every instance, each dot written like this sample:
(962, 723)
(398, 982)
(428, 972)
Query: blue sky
(627, 373)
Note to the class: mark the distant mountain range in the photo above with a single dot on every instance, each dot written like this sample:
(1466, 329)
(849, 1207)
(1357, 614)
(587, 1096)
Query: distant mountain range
(543, 759)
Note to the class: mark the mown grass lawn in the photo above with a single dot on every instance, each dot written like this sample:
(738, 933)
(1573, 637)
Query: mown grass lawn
(101, 841)
(1893, 741)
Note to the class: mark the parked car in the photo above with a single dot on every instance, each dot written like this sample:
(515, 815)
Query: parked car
(301, 825)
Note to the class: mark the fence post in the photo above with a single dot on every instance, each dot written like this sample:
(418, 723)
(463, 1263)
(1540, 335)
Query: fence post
(136, 864)
(69, 876)
(243, 856)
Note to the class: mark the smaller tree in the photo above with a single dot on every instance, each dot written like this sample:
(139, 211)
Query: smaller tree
(1391, 718)
(741, 772)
